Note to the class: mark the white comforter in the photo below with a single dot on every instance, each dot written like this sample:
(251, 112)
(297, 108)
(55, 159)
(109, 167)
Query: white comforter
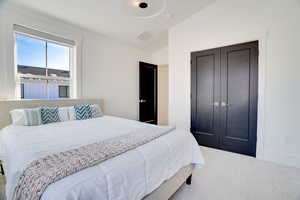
(129, 176)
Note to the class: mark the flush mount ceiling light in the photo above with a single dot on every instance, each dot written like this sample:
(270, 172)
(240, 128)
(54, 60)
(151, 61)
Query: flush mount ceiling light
(143, 5)
(144, 8)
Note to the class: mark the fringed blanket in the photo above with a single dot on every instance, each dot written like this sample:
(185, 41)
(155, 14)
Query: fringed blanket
(44, 171)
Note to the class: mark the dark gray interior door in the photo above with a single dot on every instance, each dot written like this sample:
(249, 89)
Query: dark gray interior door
(148, 93)
(224, 97)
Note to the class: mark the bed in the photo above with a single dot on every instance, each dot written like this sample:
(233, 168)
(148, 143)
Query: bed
(154, 170)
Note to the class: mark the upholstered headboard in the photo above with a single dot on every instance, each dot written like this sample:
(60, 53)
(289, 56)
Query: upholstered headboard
(8, 105)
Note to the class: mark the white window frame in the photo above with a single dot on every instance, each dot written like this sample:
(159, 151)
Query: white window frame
(35, 34)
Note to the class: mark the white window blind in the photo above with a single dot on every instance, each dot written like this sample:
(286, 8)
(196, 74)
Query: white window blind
(43, 36)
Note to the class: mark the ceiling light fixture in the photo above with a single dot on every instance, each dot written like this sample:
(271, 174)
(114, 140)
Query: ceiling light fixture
(143, 5)
(144, 9)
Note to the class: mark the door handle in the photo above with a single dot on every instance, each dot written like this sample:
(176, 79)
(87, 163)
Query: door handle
(142, 101)
(216, 104)
(224, 104)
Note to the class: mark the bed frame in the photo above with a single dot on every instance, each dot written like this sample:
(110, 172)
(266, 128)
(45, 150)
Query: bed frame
(169, 187)
(166, 189)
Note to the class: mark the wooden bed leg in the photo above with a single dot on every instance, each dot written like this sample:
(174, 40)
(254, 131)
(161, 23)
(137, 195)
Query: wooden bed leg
(189, 180)
(2, 171)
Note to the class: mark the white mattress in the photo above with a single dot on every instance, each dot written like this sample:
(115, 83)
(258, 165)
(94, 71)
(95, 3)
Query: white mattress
(131, 175)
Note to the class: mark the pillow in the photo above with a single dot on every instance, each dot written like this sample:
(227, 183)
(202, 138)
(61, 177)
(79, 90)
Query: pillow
(96, 111)
(63, 113)
(26, 117)
(71, 111)
(49, 114)
(18, 117)
(83, 111)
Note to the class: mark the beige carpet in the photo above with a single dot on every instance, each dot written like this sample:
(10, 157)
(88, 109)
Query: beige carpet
(229, 176)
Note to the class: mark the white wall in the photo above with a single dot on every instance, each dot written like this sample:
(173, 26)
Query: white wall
(112, 74)
(275, 23)
(106, 68)
(163, 94)
(161, 56)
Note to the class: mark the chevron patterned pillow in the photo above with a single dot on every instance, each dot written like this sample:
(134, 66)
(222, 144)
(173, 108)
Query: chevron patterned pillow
(49, 115)
(83, 111)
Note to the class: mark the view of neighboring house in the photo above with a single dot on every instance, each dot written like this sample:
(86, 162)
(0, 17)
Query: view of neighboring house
(43, 88)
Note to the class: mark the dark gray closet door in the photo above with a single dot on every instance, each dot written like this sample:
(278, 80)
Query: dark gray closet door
(239, 72)
(206, 97)
(224, 97)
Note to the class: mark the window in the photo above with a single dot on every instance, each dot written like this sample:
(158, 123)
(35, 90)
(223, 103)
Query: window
(43, 67)
(63, 91)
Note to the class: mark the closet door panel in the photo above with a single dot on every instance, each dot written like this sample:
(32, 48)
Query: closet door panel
(237, 101)
(237, 65)
(205, 84)
(206, 96)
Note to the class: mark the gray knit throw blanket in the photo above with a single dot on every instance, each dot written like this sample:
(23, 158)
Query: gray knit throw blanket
(44, 171)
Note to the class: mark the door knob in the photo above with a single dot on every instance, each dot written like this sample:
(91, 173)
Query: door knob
(216, 104)
(142, 101)
(224, 104)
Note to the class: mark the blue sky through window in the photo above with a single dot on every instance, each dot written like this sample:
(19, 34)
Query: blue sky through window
(32, 52)
(58, 57)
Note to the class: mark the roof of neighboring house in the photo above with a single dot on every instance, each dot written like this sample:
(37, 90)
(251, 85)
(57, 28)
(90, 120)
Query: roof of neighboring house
(23, 69)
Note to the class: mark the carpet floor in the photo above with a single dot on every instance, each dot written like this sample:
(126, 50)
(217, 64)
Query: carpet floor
(230, 176)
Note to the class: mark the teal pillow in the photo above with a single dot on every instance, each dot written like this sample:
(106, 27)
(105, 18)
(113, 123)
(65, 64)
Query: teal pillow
(49, 115)
(83, 111)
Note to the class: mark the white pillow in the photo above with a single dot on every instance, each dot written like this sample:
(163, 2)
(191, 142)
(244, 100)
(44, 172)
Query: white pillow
(26, 117)
(71, 110)
(63, 113)
(18, 117)
(96, 111)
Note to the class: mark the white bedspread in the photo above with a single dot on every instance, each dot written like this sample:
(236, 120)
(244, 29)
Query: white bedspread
(129, 176)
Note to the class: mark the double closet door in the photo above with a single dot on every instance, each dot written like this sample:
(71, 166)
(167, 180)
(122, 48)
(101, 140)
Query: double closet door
(224, 96)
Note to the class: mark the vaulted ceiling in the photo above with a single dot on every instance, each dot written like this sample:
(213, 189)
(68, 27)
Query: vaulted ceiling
(113, 18)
